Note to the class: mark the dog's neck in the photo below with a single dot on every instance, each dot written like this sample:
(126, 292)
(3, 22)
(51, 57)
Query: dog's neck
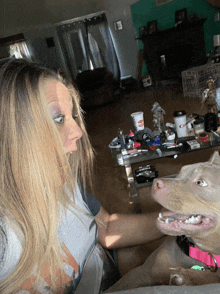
(190, 249)
(184, 243)
(208, 243)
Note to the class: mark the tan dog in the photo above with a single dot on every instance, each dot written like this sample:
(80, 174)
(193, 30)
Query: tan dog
(193, 201)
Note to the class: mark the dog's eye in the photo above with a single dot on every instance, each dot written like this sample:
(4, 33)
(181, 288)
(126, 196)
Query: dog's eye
(201, 183)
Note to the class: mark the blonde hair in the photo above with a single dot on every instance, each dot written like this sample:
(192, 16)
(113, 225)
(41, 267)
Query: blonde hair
(34, 167)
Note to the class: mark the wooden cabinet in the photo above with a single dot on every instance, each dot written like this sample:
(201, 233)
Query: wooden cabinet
(169, 52)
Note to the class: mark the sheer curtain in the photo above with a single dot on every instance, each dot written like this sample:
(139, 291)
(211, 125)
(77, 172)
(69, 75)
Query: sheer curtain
(15, 46)
(101, 45)
(75, 46)
(20, 50)
(87, 44)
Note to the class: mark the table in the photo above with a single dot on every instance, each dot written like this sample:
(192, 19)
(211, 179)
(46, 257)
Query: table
(144, 156)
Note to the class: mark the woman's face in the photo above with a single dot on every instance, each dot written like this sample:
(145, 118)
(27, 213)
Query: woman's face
(61, 109)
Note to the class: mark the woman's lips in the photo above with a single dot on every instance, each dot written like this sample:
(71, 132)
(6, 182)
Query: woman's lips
(66, 151)
(69, 152)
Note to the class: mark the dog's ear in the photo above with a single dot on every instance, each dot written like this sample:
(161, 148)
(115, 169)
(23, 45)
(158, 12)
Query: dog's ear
(215, 158)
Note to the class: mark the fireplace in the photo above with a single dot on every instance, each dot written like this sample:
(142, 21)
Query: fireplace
(169, 52)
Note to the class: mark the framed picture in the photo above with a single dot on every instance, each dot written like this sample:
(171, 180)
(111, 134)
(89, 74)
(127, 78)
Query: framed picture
(180, 15)
(161, 2)
(142, 32)
(118, 25)
(152, 27)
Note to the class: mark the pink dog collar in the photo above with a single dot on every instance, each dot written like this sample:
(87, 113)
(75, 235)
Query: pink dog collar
(187, 246)
(204, 257)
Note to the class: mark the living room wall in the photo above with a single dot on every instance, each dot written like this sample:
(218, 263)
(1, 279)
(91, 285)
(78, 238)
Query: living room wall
(25, 13)
(37, 19)
(144, 11)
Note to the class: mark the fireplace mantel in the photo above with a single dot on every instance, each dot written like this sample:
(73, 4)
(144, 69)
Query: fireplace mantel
(169, 52)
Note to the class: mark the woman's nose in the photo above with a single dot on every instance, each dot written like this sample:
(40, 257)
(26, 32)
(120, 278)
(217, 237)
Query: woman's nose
(74, 131)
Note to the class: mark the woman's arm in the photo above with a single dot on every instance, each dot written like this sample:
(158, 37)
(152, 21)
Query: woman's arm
(123, 230)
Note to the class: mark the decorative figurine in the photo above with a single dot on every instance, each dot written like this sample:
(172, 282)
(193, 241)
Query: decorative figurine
(158, 118)
(208, 97)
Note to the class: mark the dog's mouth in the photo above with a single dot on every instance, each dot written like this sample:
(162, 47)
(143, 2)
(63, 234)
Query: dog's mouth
(172, 223)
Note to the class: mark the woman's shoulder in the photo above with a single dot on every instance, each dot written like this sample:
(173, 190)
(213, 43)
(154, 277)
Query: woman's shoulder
(10, 249)
(91, 202)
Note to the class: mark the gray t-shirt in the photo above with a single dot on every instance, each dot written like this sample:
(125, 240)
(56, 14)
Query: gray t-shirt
(84, 257)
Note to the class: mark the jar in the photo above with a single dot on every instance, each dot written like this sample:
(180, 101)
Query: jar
(199, 126)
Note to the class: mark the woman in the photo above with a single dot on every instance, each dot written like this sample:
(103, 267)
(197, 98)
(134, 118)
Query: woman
(50, 233)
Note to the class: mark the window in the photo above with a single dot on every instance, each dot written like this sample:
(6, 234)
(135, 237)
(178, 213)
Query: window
(19, 50)
(14, 46)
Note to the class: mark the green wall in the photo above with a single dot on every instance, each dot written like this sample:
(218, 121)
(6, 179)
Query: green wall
(146, 10)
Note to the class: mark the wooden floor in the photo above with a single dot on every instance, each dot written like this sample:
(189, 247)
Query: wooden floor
(110, 184)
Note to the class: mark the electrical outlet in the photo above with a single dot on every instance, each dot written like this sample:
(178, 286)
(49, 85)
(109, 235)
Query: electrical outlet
(217, 17)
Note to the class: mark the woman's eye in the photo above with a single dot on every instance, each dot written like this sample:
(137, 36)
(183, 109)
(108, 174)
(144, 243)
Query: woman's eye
(59, 119)
(201, 183)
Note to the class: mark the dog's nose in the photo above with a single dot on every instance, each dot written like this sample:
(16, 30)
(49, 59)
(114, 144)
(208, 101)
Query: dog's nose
(158, 184)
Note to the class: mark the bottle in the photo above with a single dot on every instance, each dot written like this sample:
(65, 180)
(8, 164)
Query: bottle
(218, 118)
(211, 122)
(121, 138)
(180, 123)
